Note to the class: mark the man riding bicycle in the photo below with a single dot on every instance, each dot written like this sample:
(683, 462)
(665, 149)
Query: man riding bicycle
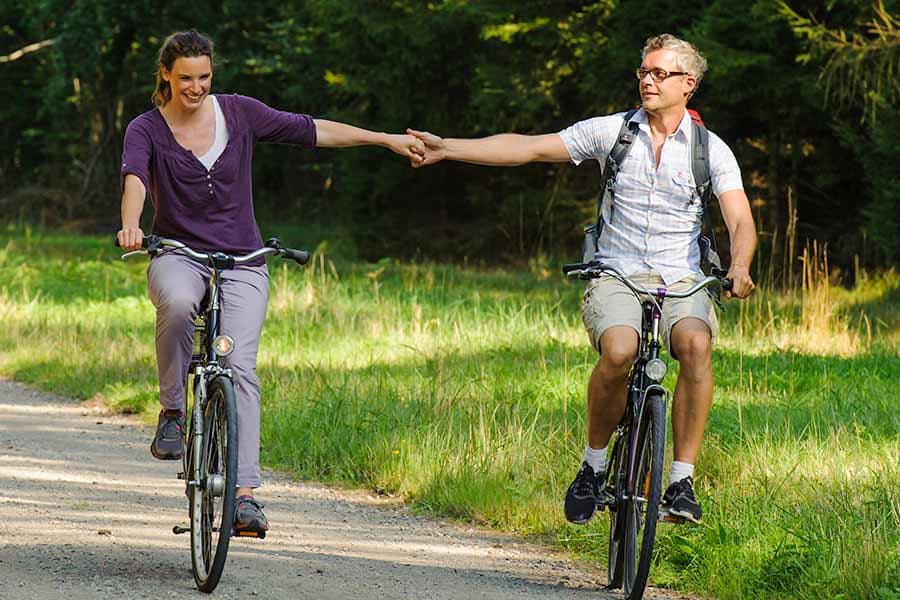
(650, 234)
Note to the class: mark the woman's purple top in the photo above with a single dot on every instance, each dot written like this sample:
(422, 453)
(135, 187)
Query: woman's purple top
(209, 210)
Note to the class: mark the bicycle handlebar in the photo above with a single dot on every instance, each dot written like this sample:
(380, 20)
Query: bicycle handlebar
(301, 257)
(152, 245)
(594, 269)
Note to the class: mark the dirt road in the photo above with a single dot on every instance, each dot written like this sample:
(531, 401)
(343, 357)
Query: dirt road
(87, 513)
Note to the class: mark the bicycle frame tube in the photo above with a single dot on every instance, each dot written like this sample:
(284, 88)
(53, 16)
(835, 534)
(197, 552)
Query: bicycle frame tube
(654, 340)
(197, 424)
(212, 316)
(648, 348)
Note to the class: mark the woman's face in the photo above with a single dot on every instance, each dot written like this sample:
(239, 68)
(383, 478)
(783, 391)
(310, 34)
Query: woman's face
(190, 80)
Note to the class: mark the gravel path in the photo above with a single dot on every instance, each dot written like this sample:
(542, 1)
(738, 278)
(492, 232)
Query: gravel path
(87, 513)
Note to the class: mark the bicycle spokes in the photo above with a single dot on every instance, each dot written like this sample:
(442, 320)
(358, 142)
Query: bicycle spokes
(642, 503)
(213, 492)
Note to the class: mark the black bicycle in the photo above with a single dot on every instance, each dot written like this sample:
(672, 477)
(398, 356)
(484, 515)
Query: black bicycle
(635, 473)
(210, 458)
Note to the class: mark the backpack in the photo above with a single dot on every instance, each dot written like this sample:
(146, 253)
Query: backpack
(709, 256)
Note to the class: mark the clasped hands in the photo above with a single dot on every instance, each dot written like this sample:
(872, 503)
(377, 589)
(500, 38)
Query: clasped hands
(420, 147)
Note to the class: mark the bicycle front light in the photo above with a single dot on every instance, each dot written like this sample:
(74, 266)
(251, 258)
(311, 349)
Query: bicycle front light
(656, 369)
(223, 345)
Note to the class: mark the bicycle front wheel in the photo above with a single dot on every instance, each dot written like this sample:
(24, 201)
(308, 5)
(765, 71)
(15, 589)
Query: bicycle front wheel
(616, 480)
(212, 495)
(642, 502)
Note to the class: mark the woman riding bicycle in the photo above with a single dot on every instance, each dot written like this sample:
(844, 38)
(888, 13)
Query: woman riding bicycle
(193, 153)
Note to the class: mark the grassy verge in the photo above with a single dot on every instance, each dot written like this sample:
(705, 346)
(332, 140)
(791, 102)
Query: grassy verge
(463, 391)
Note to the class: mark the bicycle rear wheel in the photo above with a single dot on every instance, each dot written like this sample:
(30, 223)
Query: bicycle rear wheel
(212, 499)
(642, 502)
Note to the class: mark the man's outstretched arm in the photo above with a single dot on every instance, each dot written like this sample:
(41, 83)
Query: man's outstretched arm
(504, 150)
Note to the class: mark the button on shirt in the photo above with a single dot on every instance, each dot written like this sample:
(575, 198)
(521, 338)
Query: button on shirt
(657, 216)
(209, 209)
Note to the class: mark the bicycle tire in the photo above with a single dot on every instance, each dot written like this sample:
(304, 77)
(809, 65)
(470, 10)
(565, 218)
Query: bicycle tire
(616, 524)
(212, 501)
(642, 504)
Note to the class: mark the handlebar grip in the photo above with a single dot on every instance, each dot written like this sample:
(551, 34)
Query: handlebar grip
(727, 284)
(300, 256)
(566, 269)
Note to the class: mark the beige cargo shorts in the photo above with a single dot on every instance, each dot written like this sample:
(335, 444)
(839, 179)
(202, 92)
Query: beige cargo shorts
(609, 302)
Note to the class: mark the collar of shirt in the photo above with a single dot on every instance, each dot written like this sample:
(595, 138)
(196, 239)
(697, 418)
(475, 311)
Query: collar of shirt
(684, 127)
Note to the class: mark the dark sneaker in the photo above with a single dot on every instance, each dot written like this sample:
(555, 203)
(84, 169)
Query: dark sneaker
(581, 498)
(168, 443)
(680, 500)
(249, 515)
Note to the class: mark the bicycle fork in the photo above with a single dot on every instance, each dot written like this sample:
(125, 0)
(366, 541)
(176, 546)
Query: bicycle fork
(195, 480)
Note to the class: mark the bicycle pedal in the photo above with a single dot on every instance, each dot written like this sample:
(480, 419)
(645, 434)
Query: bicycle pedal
(607, 500)
(180, 475)
(249, 533)
(667, 517)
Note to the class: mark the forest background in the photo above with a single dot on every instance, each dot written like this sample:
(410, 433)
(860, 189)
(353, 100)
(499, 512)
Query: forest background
(804, 92)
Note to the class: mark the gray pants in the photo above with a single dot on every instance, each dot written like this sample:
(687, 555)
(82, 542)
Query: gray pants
(177, 285)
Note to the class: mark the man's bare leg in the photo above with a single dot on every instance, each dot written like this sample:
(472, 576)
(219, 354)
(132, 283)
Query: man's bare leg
(606, 403)
(692, 344)
(607, 386)
(694, 388)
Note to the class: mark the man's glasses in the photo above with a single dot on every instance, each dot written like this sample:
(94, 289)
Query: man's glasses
(658, 75)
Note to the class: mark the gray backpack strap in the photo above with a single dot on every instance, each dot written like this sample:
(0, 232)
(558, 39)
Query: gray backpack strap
(614, 161)
(709, 252)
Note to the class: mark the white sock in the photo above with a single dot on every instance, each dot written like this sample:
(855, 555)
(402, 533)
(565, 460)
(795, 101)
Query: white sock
(595, 458)
(679, 471)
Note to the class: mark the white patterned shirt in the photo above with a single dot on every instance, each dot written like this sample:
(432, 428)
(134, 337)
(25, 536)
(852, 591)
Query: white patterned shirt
(657, 215)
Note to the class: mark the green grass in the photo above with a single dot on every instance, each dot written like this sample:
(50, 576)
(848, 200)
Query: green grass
(463, 391)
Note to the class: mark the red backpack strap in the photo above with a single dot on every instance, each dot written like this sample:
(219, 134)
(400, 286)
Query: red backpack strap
(695, 116)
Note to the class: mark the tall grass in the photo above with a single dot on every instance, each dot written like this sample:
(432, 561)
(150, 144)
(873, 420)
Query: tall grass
(463, 391)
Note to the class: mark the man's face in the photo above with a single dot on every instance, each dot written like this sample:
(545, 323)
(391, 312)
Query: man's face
(671, 91)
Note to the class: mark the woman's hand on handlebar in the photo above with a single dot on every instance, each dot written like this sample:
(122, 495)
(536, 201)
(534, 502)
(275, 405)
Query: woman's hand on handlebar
(743, 285)
(130, 238)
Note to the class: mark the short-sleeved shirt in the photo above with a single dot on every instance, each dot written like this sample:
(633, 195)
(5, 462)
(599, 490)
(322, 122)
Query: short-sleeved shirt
(657, 214)
(209, 209)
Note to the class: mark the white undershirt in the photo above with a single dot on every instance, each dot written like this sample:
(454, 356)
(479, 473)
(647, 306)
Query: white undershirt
(221, 140)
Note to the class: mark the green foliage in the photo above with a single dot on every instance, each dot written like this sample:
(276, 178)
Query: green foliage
(861, 66)
(858, 67)
(882, 151)
(464, 69)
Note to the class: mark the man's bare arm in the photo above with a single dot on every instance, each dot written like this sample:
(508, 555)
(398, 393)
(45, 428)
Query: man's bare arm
(742, 233)
(505, 149)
